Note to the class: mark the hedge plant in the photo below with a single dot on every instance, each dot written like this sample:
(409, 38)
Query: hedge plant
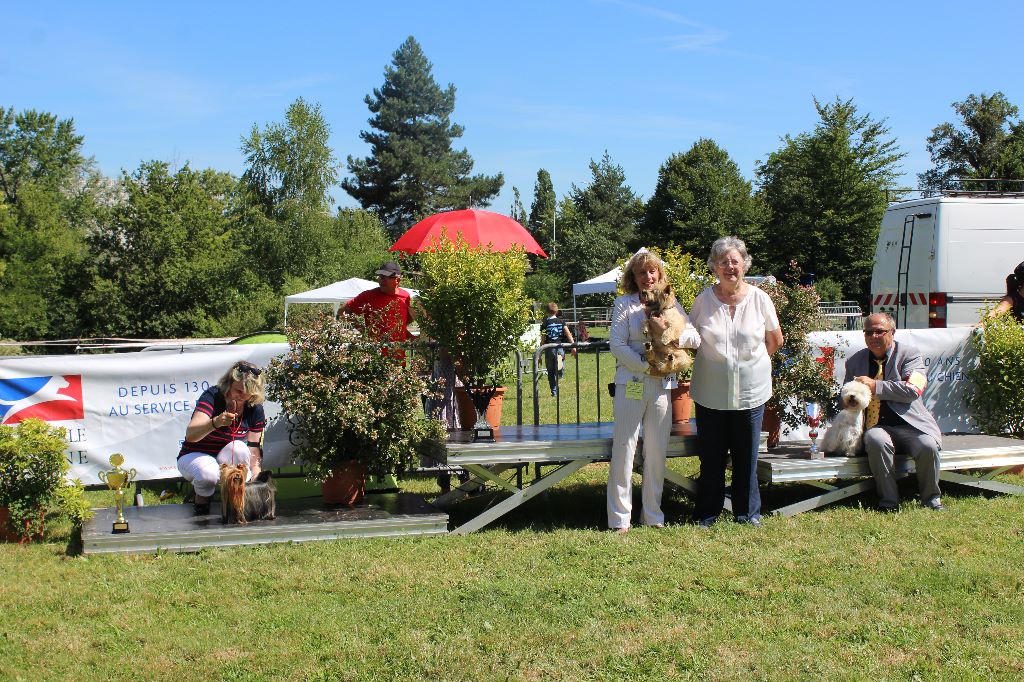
(997, 394)
(33, 473)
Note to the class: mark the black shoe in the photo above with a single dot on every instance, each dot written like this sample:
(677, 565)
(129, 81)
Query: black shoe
(886, 510)
(706, 523)
(202, 508)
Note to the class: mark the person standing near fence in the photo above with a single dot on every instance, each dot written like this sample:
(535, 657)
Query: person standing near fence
(554, 330)
(640, 399)
(732, 381)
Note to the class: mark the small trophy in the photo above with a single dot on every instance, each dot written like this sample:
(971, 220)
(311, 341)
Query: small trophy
(117, 479)
(813, 412)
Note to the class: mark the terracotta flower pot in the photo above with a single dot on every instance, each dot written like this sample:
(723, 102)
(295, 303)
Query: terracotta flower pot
(682, 405)
(346, 484)
(467, 412)
(772, 423)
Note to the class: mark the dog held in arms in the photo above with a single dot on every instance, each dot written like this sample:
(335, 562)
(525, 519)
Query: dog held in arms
(845, 435)
(241, 502)
(662, 350)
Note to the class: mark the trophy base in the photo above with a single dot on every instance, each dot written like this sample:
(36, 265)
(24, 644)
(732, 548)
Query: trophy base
(120, 527)
(484, 434)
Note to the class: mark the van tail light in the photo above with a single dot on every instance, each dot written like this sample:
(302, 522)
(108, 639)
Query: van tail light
(937, 309)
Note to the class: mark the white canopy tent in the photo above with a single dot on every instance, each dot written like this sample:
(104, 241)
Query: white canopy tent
(608, 283)
(334, 294)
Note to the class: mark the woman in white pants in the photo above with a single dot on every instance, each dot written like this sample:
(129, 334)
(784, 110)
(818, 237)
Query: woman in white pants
(640, 399)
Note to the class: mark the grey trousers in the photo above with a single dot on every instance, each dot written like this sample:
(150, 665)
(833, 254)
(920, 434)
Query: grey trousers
(882, 442)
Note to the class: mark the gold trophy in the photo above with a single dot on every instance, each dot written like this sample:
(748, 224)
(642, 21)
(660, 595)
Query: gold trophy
(117, 479)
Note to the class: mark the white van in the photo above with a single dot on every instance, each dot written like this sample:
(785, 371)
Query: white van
(941, 260)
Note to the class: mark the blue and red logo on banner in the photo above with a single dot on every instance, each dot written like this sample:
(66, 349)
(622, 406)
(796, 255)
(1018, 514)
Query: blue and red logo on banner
(50, 398)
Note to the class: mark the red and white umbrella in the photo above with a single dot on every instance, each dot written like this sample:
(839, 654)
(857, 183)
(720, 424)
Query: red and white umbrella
(478, 228)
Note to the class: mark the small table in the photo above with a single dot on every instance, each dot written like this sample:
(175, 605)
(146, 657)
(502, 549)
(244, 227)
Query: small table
(849, 476)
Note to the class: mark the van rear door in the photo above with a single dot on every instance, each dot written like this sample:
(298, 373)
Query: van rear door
(902, 276)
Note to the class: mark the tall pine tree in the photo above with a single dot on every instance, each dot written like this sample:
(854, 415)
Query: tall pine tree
(412, 170)
(518, 212)
(542, 210)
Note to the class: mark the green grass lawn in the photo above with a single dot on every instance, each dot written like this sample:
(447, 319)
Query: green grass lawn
(544, 594)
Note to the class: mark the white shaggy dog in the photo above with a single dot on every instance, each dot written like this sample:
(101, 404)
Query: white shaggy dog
(844, 435)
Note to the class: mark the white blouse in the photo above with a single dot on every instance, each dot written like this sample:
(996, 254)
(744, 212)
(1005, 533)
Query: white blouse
(732, 370)
(626, 339)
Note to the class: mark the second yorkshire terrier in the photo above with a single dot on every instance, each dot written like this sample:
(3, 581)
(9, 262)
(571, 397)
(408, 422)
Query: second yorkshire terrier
(241, 502)
(663, 352)
(845, 435)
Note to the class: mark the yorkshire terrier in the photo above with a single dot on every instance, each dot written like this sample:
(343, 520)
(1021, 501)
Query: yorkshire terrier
(241, 502)
(663, 352)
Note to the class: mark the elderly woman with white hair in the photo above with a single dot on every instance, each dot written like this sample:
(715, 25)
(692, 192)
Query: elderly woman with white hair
(226, 428)
(732, 381)
(640, 398)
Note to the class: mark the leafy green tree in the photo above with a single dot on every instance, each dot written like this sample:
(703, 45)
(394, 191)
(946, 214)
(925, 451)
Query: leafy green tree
(596, 223)
(700, 196)
(1010, 164)
(290, 239)
(585, 248)
(167, 264)
(38, 148)
(412, 170)
(48, 201)
(974, 146)
(825, 192)
(542, 210)
(291, 162)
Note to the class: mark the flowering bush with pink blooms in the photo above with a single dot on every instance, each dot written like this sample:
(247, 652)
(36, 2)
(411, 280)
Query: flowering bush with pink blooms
(348, 401)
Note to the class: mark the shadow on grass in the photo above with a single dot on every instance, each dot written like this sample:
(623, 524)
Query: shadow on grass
(580, 503)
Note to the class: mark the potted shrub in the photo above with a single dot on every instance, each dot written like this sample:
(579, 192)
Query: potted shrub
(352, 409)
(798, 377)
(472, 302)
(33, 485)
(689, 276)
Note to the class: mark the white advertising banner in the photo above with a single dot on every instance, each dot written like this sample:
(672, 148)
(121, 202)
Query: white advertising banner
(137, 404)
(947, 354)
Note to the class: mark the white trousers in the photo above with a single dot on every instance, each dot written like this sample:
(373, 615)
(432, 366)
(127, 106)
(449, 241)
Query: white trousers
(203, 469)
(654, 413)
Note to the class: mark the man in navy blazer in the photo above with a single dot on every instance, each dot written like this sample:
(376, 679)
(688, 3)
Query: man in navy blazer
(904, 423)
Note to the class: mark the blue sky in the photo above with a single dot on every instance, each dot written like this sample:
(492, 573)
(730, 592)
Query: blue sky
(547, 84)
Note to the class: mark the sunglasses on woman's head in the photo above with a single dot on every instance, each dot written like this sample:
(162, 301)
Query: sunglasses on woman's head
(247, 368)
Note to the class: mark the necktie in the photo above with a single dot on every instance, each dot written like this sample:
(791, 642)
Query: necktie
(871, 412)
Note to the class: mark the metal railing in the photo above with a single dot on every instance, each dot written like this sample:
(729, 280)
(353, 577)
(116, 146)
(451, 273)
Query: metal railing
(536, 367)
(842, 315)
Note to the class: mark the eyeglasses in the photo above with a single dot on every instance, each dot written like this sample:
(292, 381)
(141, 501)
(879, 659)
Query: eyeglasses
(248, 368)
(876, 332)
(389, 276)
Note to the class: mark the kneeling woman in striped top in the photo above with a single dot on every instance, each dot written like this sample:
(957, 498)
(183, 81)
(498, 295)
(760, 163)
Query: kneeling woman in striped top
(225, 428)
